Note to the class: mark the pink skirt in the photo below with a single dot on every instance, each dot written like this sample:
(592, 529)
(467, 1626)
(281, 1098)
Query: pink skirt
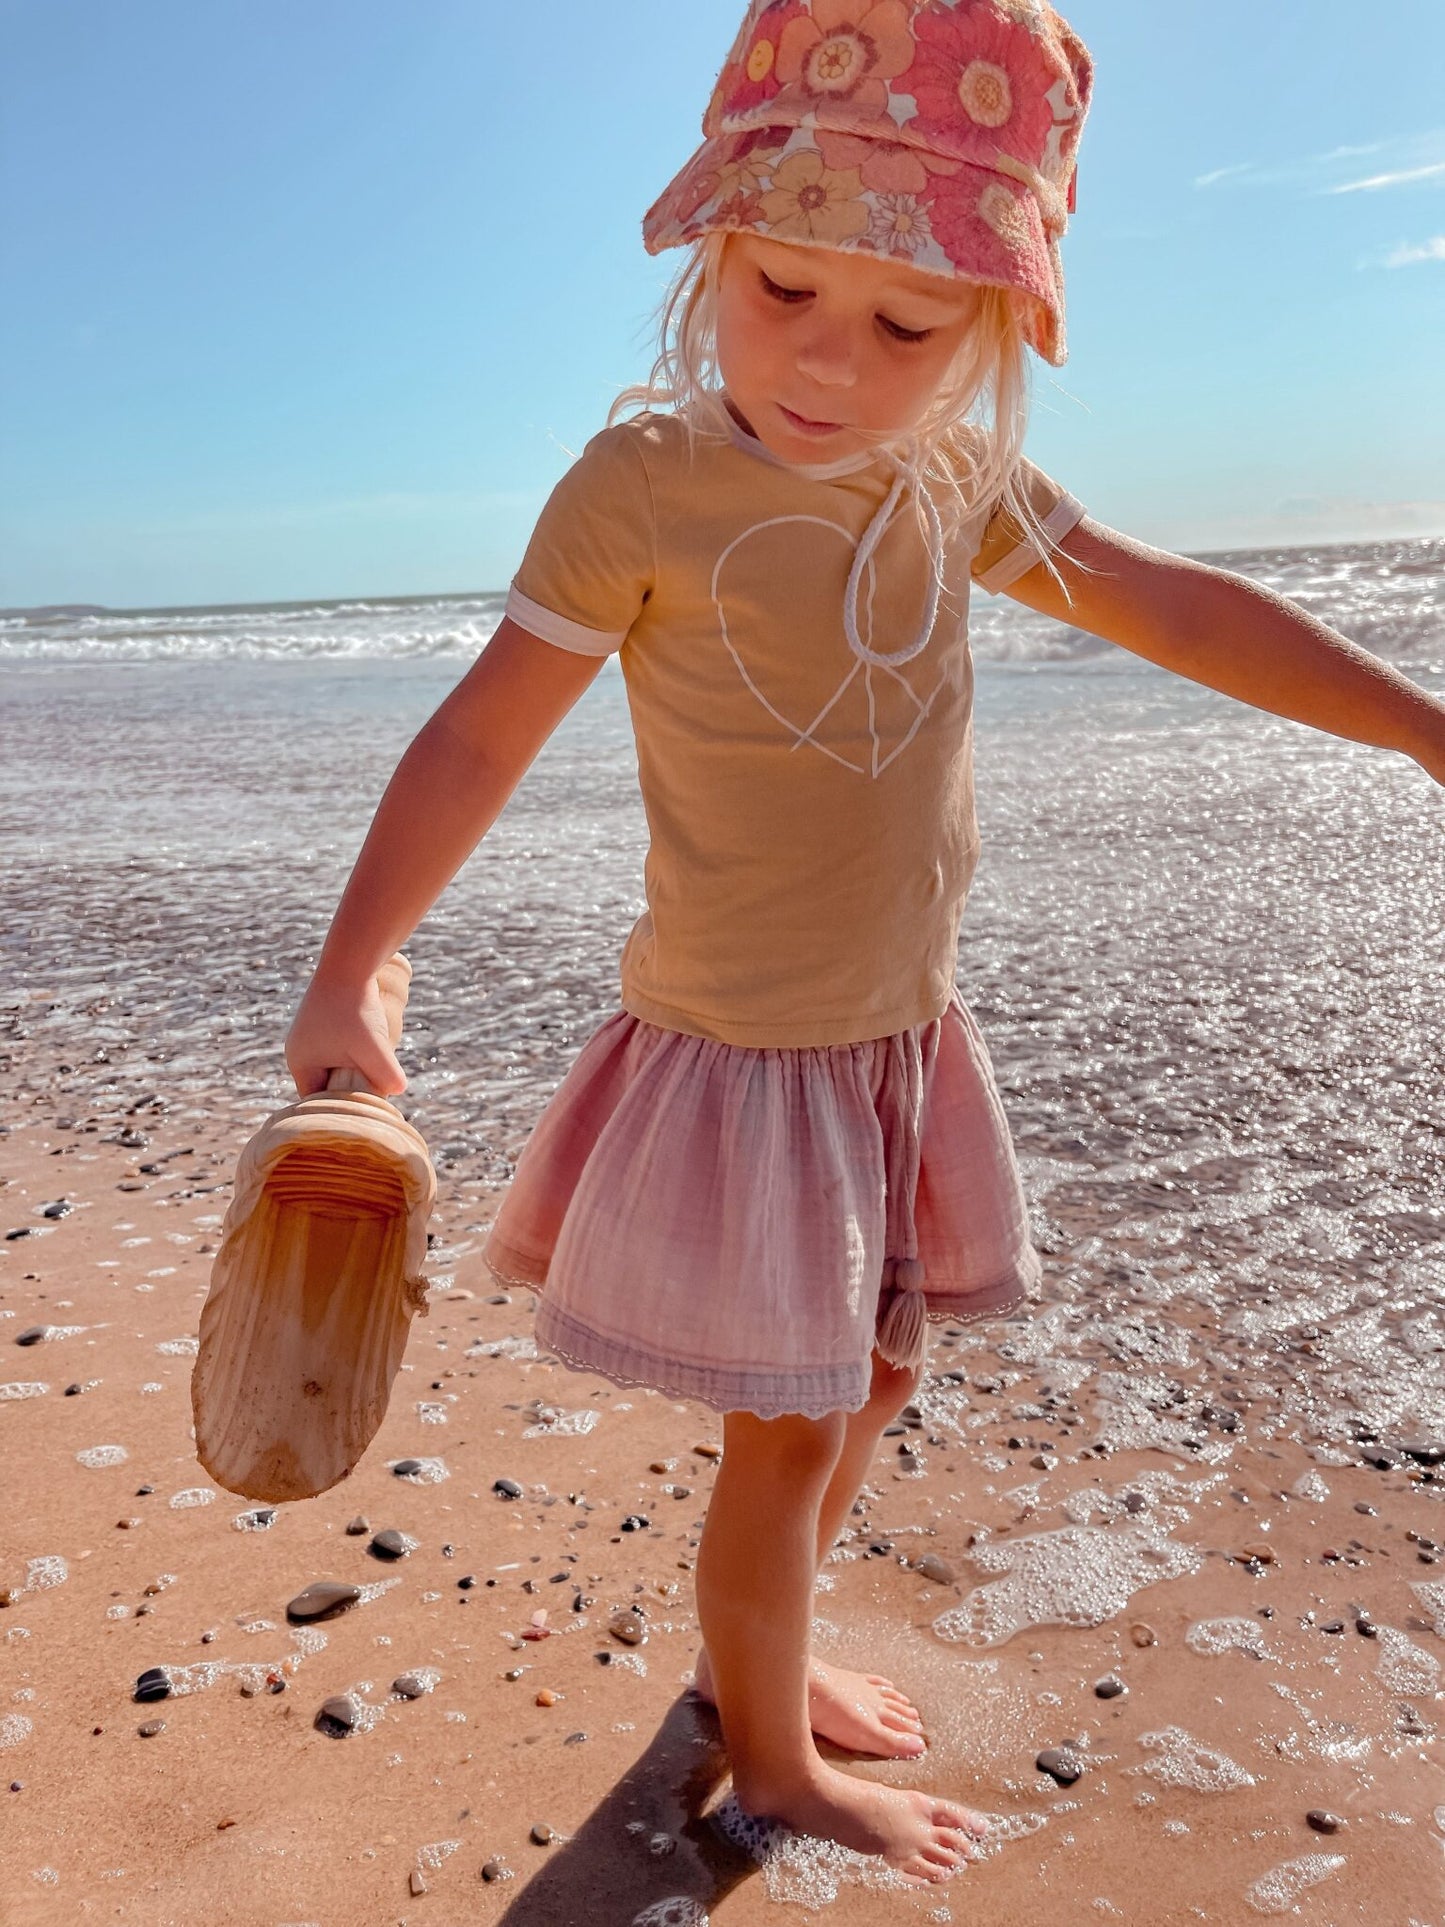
(732, 1225)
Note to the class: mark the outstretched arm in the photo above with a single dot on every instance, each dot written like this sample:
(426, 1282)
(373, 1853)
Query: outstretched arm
(1234, 635)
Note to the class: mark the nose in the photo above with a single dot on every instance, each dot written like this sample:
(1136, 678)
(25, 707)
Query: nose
(826, 354)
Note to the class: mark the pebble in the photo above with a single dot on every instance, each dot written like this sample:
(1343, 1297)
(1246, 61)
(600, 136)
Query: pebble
(628, 1627)
(152, 1685)
(1324, 1822)
(32, 1334)
(417, 1883)
(708, 1451)
(635, 1522)
(391, 1544)
(1366, 1627)
(409, 1686)
(1262, 1553)
(337, 1716)
(506, 1488)
(322, 1600)
(358, 1527)
(1143, 1635)
(547, 1697)
(542, 1833)
(74, 1391)
(930, 1566)
(404, 1468)
(492, 1870)
(151, 1727)
(60, 1209)
(1109, 1687)
(1063, 1765)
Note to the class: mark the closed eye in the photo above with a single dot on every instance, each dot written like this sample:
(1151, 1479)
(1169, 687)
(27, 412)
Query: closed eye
(780, 293)
(905, 334)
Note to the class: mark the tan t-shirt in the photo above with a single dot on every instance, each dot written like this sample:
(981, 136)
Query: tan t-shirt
(811, 816)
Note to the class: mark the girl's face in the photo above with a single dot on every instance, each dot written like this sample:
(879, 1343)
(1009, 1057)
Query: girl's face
(825, 354)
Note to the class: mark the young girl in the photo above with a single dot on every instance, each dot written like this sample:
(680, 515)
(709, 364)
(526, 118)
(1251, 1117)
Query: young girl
(786, 1152)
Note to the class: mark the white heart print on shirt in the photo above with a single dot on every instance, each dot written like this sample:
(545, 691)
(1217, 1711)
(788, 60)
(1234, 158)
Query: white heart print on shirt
(854, 701)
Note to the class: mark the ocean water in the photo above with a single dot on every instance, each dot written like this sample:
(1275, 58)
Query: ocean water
(1203, 942)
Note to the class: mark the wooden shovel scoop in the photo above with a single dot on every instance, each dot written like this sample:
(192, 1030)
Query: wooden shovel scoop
(314, 1287)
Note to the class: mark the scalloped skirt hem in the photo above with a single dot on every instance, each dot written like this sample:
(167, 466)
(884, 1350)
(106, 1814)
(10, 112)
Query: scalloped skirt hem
(811, 1394)
(732, 1224)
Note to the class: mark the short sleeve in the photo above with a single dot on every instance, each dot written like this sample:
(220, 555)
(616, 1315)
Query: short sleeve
(589, 565)
(1006, 551)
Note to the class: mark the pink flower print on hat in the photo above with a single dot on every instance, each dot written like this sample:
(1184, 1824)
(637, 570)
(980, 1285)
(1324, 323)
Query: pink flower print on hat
(885, 166)
(847, 51)
(752, 80)
(992, 69)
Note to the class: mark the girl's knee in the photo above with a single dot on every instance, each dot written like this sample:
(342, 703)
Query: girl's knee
(802, 1446)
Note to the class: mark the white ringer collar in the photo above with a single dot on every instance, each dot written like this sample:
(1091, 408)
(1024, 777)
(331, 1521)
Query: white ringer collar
(815, 471)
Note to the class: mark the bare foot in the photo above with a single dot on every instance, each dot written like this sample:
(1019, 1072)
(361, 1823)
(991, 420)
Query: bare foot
(925, 1838)
(861, 1711)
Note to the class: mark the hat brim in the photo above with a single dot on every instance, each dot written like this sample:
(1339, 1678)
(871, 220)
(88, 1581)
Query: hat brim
(968, 223)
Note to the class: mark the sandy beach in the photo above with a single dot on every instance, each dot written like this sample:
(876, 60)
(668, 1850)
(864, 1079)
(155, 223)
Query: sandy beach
(1282, 1658)
(1204, 949)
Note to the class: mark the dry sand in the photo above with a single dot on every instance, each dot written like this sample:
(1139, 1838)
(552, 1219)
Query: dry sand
(120, 1556)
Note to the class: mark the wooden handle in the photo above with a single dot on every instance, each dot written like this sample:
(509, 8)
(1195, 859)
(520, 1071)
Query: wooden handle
(394, 982)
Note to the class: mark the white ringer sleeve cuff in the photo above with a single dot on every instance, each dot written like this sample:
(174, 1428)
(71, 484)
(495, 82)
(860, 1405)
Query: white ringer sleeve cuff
(1066, 513)
(566, 634)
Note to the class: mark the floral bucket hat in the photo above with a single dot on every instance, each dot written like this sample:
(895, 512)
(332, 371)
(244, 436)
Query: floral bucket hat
(939, 133)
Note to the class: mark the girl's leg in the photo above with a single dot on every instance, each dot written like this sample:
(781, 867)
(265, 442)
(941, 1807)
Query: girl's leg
(865, 1712)
(755, 1616)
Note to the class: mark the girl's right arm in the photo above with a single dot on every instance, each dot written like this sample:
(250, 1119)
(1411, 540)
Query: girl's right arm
(447, 791)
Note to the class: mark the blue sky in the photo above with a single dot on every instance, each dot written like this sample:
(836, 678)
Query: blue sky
(312, 300)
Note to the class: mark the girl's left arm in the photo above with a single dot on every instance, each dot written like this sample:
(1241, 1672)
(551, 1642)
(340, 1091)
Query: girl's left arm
(1236, 636)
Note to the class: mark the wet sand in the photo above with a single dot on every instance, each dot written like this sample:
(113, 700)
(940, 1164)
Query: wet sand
(1243, 1713)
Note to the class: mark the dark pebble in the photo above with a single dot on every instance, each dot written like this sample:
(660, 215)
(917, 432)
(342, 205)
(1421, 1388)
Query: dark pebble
(1366, 1627)
(260, 1517)
(337, 1716)
(74, 1391)
(1332, 1626)
(32, 1334)
(491, 1870)
(1380, 1458)
(152, 1685)
(390, 1544)
(144, 1491)
(467, 1581)
(1063, 1765)
(506, 1488)
(16, 1785)
(151, 1728)
(60, 1209)
(635, 1522)
(1424, 1451)
(1109, 1687)
(930, 1566)
(409, 1686)
(404, 1468)
(20, 1231)
(1324, 1822)
(323, 1599)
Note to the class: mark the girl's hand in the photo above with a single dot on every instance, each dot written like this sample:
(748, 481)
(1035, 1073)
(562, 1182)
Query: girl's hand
(342, 1026)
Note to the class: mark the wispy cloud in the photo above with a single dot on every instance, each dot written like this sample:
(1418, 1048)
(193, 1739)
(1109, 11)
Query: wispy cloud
(1407, 255)
(1222, 174)
(1373, 181)
(1415, 157)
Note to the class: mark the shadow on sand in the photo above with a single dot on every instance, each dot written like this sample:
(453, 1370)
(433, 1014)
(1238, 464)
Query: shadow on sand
(606, 1875)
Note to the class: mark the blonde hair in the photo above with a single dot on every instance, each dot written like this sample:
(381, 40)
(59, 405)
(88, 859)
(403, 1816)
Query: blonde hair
(967, 461)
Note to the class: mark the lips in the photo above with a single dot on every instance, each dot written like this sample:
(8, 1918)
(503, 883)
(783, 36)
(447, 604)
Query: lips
(808, 425)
